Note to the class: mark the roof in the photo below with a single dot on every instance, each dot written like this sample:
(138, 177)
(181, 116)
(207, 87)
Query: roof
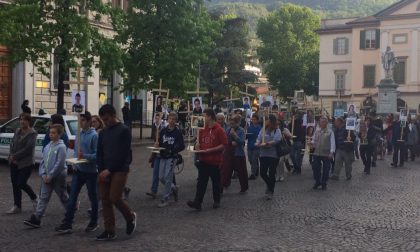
(393, 7)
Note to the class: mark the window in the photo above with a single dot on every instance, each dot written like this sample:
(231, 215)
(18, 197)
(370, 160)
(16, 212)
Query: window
(399, 71)
(370, 39)
(369, 76)
(340, 80)
(341, 46)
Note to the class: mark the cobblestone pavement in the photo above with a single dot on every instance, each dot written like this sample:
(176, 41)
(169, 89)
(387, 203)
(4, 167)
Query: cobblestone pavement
(380, 212)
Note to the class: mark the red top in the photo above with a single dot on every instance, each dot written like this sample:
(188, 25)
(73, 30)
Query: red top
(210, 138)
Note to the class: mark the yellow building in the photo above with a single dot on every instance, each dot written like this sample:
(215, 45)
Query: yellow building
(350, 64)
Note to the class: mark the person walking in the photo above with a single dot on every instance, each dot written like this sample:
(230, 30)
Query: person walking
(344, 154)
(399, 141)
(234, 155)
(254, 129)
(84, 174)
(323, 144)
(21, 161)
(53, 172)
(412, 139)
(172, 140)
(211, 143)
(267, 140)
(368, 143)
(298, 145)
(113, 160)
(126, 114)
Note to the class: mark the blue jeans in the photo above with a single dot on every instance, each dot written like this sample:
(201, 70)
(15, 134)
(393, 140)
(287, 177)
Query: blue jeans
(296, 155)
(79, 179)
(321, 169)
(166, 175)
(155, 178)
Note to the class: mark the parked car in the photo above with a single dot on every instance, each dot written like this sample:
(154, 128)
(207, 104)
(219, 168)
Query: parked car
(40, 124)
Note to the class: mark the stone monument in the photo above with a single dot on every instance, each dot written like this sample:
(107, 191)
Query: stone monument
(387, 89)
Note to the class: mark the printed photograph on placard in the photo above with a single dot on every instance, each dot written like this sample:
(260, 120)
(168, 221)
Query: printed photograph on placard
(197, 105)
(351, 110)
(159, 104)
(78, 99)
(265, 101)
(403, 115)
(351, 123)
(197, 122)
(413, 113)
(246, 103)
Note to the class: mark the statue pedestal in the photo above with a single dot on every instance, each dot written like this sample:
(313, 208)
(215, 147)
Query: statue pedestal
(387, 97)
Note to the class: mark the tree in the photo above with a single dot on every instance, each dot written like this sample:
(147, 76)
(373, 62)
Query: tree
(225, 69)
(166, 40)
(35, 29)
(290, 48)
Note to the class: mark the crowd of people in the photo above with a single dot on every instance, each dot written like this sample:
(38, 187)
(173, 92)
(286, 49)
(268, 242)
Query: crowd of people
(269, 142)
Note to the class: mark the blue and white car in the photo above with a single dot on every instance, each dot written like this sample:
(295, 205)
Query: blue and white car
(40, 124)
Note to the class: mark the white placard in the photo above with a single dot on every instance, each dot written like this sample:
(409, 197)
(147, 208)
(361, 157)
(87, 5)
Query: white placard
(351, 123)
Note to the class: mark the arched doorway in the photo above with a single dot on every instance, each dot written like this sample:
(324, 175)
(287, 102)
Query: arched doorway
(5, 86)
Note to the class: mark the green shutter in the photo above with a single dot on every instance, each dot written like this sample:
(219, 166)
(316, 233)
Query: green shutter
(335, 46)
(378, 38)
(362, 40)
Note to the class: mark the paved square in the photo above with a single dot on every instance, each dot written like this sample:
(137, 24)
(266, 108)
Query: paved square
(380, 212)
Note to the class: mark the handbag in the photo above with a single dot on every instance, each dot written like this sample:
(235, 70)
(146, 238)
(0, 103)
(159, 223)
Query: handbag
(179, 159)
(282, 148)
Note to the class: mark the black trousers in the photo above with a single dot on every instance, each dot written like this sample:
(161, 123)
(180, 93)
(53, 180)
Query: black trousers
(19, 178)
(399, 152)
(268, 167)
(366, 152)
(206, 171)
(321, 170)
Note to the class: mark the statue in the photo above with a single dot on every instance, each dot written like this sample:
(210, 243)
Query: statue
(388, 62)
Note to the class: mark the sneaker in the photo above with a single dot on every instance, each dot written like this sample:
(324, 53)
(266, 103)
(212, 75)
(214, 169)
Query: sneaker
(175, 193)
(194, 204)
(324, 187)
(281, 179)
(64, 228)
(334, 177)
(91, 227)
(315, 186)
(106, 236)
(152, 194)
(14, 210)
(216, 205)
(131, 225)
(163, 203)
(33, 222)
(269, 196)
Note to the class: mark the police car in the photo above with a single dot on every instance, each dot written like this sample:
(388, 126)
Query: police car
(40, 124)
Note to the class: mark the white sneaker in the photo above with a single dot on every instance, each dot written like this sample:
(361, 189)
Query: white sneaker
(163, 204)
(14, 210)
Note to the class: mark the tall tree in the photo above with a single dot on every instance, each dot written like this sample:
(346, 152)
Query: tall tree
(35, 29)
(290, 48)
(225, 69)
(166, 39)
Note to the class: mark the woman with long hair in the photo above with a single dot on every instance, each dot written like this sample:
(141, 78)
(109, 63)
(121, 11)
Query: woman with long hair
(97, 123)
(267, 140)
(21, 160)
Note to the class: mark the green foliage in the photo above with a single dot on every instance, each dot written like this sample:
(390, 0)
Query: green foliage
(33, 29)
(166, 40)
(225, 69)
(289, 48)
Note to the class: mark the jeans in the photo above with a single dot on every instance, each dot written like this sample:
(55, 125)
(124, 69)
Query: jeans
(346, 158)
(58, 185)
(321, 169)
(79, 179)
(155, 178)
(253, 156)
(111, 194)
(268, 171)
(296, 156)
(206, 171)
(366, 152)
(166, 174)
(19, 178)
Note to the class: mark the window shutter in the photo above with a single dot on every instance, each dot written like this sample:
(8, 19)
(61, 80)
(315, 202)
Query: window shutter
(335, 46)
(378, 38)
(362, 40)
(346, 44)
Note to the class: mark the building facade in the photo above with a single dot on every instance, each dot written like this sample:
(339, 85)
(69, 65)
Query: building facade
(24, 82)
(351, 57)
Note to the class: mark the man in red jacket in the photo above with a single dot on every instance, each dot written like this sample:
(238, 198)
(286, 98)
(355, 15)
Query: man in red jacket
(211, 143)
